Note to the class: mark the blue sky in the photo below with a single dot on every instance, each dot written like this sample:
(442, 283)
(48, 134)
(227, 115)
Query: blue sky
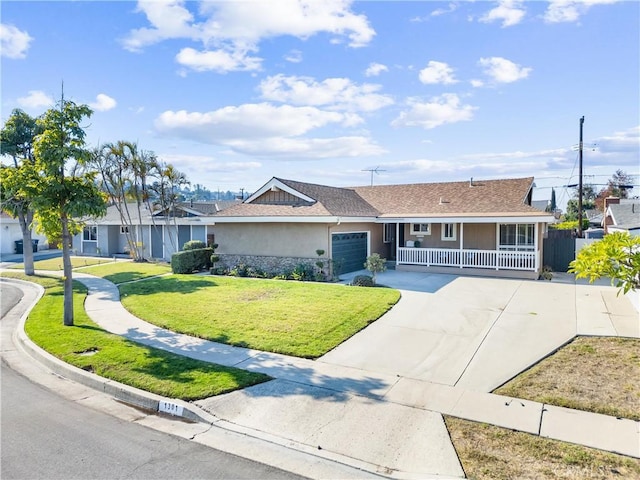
(234, 92)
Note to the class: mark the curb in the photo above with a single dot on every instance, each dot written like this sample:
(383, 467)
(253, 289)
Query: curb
(121, 392)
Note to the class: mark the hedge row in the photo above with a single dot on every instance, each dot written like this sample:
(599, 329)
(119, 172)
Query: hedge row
(189, 261)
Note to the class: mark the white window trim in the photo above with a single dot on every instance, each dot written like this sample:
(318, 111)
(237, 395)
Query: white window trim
(517, 247)
(418, 231)
(454, 228)
(385, 232)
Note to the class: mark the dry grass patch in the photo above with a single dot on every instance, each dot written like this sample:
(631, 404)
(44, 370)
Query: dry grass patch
(594, 374)
(489, 452)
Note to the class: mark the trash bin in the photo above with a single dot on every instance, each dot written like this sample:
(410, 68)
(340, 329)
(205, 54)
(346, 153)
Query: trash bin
(20, 245)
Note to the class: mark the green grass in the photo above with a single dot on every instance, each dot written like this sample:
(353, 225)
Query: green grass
(88, 346)
(128, 271)
(56, 263)
(293, 318)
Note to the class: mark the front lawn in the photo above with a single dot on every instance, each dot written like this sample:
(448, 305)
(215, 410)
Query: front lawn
(88, 346)
(127, 272)
(574, 377)
(487, 452)
(56, 263)
(294, 318)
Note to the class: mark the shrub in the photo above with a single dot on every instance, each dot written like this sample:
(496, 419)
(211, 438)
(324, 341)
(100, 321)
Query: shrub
(302, 272)
(375, 264)
(189, 261)
(363, 281)
(194, 245)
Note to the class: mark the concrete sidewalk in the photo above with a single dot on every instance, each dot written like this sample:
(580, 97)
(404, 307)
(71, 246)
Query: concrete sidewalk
(322, 406)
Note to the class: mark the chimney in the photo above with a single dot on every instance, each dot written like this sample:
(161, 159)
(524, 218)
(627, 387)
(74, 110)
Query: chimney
(611, 201)
(471, 182)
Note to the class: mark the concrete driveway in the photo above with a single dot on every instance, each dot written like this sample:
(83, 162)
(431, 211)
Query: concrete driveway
(477, 332)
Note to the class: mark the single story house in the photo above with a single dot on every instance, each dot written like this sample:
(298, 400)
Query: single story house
(622, 215)
(475, 227)
(159, 233)
(10, 233)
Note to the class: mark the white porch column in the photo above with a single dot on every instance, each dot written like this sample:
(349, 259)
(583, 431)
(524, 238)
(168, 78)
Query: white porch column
(536, 230)
(397, 240)
(461, 244)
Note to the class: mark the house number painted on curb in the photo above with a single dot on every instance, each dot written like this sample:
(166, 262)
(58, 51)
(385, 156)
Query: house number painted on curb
(170, 408)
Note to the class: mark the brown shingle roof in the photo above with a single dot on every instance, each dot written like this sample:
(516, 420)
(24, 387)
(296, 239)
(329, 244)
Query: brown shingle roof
(480, 197)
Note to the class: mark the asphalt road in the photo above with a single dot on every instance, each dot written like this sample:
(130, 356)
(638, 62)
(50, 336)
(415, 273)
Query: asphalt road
(9, 297)
(44, 436)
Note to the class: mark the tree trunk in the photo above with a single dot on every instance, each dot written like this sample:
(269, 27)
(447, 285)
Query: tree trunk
(68, 279)
(27, 246)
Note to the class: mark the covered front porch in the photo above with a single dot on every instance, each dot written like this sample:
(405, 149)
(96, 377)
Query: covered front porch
(472, 261)
(471, 247)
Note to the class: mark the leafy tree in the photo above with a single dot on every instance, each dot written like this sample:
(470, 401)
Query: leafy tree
(375, 264)
(123, 172)
(16, 140)
(553, 206)
(167, 196)
(61, 193)
(616, 256)
(588, 202)
(617, 186)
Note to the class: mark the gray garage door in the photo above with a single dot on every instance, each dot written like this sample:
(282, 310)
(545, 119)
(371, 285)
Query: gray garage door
(349, 251)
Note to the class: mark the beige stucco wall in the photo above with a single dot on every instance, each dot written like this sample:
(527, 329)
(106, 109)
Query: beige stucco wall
(476, 235)
(271, 239)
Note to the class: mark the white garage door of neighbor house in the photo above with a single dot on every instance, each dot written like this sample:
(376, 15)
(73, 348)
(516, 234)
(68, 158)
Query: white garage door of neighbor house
(349, 251)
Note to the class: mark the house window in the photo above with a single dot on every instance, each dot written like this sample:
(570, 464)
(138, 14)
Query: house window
(124, 229)
(519, 236)
(388, 232)
(421, 228)
(90, 233)
(448, 232)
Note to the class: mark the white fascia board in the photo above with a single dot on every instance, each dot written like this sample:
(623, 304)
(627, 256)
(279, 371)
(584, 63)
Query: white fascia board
(288, 219)
(514, 219)
(275, 183)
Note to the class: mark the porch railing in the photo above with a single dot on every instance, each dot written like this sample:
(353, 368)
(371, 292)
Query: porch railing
(468, 258)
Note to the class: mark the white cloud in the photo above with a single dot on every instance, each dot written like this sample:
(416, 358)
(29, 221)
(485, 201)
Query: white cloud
(268, 130)
(446, 108)
(560, 11)
(476, 83)
(625, 141)
(452, 7)
(14, 43)
(294, 56)
(206, 164)
(510, 12)
(35, 100)
(310, 148)
(437, 72)
(168, 19)
(501, 70)
(375, 69)
(231, 29)
(335, 93)
(103, 103)
(221, 61)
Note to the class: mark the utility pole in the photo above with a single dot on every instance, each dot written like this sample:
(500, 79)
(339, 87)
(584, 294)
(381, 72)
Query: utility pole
(580, 181)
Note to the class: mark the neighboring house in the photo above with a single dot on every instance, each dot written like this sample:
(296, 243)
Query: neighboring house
(594, 216)
(541, 205)
(475, 227)
(160, 233)
(622, 215)
(10, 232)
